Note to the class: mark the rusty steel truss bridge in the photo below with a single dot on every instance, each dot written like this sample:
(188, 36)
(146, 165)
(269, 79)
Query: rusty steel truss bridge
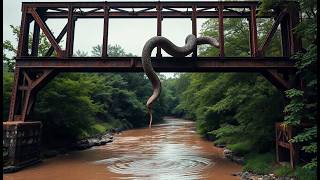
(33, 72)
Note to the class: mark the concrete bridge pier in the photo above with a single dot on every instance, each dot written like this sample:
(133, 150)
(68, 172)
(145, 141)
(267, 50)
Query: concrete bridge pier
(21, 144)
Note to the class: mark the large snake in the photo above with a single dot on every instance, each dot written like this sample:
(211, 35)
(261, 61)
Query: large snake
(191, 43)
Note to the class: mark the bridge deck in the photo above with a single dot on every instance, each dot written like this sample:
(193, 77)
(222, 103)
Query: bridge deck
(164, 64)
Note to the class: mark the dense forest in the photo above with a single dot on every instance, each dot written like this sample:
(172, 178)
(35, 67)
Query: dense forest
(238, 110)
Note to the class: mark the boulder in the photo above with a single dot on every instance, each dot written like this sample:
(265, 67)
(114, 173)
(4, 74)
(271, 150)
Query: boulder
(245, 175)
(266, 177)
(239, 160)
(227, 152)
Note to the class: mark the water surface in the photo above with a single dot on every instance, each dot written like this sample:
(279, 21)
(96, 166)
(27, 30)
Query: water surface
(172, 150)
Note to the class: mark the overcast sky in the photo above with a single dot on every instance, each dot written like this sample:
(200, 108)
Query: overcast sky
(130, 34)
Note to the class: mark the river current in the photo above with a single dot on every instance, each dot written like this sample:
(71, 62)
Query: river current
(169, 151)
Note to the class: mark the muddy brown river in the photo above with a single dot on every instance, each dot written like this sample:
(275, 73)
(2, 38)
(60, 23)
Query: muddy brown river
(168, 151)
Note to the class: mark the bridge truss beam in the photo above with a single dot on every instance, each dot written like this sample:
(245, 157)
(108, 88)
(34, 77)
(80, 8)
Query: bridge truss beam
(33, 72)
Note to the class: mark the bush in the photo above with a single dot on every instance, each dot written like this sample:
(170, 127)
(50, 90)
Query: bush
(241, 148)
(101, 127)
(259, 163)
(284, 171)
(305, 174)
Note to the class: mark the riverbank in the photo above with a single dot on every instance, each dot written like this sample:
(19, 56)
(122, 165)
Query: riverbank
(82, 144)
(263, 167)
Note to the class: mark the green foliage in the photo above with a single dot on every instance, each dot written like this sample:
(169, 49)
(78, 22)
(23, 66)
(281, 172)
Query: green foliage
(305, 173)
(233, 108)
(266, 5)
(307, 135)
(284, 171)
(295, 109)
(113, 51)
(259, 163)
(6, 92)
(310, 136)
(65, 108)
(241, 148)
(9, 50)
(101, 127)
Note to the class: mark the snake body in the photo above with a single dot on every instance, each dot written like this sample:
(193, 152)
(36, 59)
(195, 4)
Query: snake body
(191, 43)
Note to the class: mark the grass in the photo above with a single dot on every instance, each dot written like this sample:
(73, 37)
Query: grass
(300, 173)
(284, 171)
(305, 174)
(97, 128)
(101, 127)
(265, 164)
(240, 148)
(259, 163)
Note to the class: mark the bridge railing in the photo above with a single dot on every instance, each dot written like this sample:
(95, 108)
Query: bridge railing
(39, 12)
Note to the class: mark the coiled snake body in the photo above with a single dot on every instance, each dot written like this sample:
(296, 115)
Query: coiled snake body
(191, 43)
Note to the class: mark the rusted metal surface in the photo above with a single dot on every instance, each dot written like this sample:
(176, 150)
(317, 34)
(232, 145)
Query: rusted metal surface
(273, 30)
(35, 40)
(42, 11)
(58, 39)
(27, 83)
(141, 4)
(165, 64)
(283, 135)
(70, 32)
(13, 100)
(21, 143)
(24, 33)
(159, 27)
(221, 30)
(105, 32)
(253, 32)
(276, 79)
(46, 31)
(194, 26)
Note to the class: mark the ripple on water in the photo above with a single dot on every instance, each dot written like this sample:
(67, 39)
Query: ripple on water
(157, 167)
(159, 156)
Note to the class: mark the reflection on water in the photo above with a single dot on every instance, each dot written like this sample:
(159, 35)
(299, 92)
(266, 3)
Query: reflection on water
(171, 150)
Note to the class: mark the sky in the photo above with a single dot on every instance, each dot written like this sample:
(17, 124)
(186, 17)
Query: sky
(130, 34)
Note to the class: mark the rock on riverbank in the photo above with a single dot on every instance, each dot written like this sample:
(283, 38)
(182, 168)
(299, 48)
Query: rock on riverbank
(229, 155)
(250, 176)
(97, 140)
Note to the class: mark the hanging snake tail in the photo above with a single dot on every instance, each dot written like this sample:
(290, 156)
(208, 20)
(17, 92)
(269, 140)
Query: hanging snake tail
(162, 42)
